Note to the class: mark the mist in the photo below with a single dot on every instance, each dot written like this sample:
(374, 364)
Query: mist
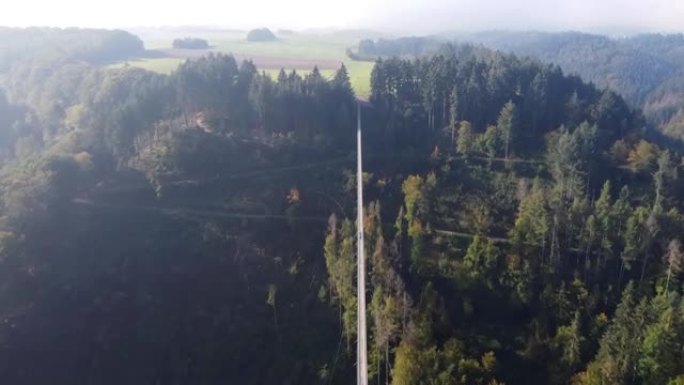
(610, 16)
(396, 16)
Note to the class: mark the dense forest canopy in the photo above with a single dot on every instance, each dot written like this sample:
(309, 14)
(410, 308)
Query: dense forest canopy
(401, 47)
(646, 70)
(197, 227)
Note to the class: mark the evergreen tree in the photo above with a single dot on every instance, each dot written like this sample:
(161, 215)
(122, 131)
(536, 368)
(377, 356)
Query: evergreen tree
(616, 360)
(637, 237)
(564, 159)
(341, 81)
(659, 179)
(507, 124)
(569, 340)
(532, 222)
(603, 207)
(453, 113)
(340, 261)
(621, 211)
(464, 144)
(481, 260)
(491, 142)
(661, 351)
(674, 259)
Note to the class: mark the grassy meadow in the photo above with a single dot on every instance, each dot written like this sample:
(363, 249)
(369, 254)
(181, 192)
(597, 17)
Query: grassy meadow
(297, 51)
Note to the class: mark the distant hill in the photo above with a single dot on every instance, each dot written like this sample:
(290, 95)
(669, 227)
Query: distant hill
(190, 43)
(261, 34)
(647, 70)
(401, 47)
(89, 45)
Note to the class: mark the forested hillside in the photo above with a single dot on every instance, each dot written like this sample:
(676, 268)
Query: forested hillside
(647, 70)
(198, 227)
(406, 47)
(30, 45)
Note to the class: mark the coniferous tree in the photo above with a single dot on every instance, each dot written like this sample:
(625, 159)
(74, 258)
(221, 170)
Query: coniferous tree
(675, 261)
(532, 222)
(453, 113)
(570, 341)
(491, 139)
(615, 362)
(465, 141)
(340, 261)
(481, 260)
(661, 352)
(507, 124)
(603, 207)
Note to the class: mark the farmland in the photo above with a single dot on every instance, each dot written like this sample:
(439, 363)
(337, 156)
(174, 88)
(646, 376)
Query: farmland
(292, 51)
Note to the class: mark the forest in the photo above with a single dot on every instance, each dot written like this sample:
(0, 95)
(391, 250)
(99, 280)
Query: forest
(190, 43)
(198, 227)
(645, 69)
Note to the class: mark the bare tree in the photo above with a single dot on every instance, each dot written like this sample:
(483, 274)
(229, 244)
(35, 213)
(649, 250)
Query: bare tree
(675, 260)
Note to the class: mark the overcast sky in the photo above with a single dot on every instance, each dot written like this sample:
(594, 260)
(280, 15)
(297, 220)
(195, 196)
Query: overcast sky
(408, 16)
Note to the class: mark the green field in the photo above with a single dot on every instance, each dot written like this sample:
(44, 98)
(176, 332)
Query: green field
(300, 52)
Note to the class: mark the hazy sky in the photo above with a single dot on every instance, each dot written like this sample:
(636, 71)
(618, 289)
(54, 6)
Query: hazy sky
(395, 15)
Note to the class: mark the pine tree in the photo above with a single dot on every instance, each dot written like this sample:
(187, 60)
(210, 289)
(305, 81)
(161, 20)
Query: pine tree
(569, 340)
(603, 209)
(491, 141)
(532, 222)
(675, 261)
(636, 236)
(282, 77)
(508, 125)
(616, 360)
(659, 179)
(340, 262)
(453, 113)
(564, 160)
(586, 137)
(661, 351)
(588, 237)
(481, 260)
(464, 144)
(621, 211)
(341, 82)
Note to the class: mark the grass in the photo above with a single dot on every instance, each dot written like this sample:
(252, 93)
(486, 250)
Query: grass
(164, 65)
(359, 75)
(300, 52)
